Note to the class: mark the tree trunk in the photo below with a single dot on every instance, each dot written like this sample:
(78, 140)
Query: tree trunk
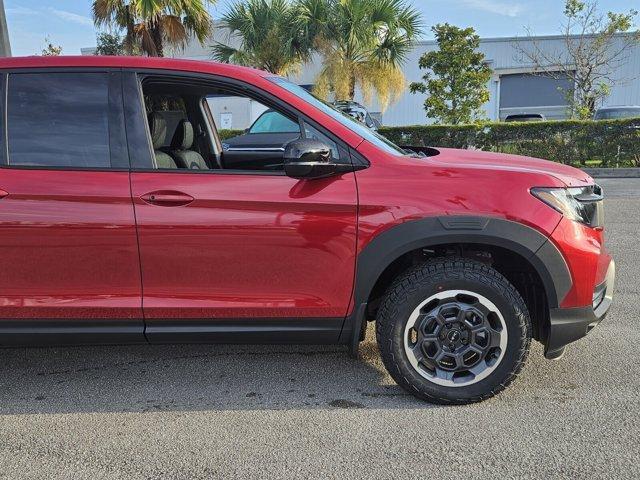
(455, 119)
(591, 105)
(156, 36)
(352, 87)
(129, 38)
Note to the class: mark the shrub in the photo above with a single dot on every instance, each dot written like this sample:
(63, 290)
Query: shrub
(228, 133)
(608, 143)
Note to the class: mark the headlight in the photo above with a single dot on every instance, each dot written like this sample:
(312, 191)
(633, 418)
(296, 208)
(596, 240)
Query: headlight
(582, 204)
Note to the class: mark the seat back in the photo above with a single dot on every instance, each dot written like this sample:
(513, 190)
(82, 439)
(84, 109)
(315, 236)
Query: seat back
(181, 147)
(158, 131)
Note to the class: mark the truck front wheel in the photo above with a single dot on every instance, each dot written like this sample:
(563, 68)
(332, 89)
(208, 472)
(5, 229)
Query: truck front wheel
(453, 331)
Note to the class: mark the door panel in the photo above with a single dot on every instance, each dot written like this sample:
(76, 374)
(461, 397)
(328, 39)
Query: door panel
(69, 247)
(68, 243)
(249, 246)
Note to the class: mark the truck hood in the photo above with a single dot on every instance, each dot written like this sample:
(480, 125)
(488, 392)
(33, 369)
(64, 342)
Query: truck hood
(570, 176)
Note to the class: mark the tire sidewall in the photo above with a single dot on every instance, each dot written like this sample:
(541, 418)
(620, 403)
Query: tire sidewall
(517, 337)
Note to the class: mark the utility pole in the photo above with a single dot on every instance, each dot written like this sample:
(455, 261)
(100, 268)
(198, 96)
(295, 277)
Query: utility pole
(5, 46)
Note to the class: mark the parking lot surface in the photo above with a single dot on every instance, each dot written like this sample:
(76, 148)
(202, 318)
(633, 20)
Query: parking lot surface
(313, 412)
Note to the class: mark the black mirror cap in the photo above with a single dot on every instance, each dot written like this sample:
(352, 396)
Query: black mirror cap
(306, 150)
(307, 158)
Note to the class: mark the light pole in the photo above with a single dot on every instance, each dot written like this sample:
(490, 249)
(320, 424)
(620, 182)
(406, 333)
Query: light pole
(5, 46)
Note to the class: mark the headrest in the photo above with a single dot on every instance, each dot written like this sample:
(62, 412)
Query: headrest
(183, 138)
(158, 129)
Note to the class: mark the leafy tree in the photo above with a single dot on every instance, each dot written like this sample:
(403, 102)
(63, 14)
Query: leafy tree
(51, 50)
(152, 24)
(271, 36)
(363, 43)
(109, 44)
(596, 44)
(457, 78)
(120, 14)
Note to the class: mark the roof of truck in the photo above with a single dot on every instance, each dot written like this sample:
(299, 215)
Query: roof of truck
(131, 62)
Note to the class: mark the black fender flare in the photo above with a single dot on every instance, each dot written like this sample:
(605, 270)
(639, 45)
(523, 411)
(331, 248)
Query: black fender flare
(427, 232)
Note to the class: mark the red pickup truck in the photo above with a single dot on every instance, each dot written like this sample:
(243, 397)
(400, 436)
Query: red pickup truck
(124, 220)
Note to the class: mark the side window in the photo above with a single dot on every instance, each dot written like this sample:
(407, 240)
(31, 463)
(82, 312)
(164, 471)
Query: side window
(253, 135)
(198, 125)
(58, 120)
(313, 133)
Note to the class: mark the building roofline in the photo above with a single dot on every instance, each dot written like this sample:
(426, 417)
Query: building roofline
(524, 38)
(90, 50)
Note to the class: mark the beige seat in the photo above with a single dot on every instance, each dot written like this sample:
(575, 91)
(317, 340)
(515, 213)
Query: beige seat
(158, 130)
(181, 148)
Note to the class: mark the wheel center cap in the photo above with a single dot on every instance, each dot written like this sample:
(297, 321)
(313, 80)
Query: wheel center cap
(453, 335)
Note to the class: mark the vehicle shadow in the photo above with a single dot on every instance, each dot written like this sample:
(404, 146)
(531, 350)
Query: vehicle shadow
(144, 378)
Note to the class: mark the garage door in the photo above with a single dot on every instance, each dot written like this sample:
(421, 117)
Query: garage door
(527, 93)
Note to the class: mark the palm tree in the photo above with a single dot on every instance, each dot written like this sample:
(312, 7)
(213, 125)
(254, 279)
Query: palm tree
(118, 13)
(270, 33)
(150, 24)
(363, 43)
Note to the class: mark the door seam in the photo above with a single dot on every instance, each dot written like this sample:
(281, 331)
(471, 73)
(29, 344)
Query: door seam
(133, 206)
(135, 219)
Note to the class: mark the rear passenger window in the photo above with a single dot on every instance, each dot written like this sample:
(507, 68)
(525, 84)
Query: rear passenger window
(58, 120)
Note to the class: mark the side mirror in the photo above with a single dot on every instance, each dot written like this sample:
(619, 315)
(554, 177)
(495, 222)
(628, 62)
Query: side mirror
(307, 158)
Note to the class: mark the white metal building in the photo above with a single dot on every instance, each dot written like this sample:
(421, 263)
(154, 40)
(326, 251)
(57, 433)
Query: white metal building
(513, 88)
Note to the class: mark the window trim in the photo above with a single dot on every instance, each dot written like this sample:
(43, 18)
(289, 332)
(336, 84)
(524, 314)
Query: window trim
(118, 152)
(212, 130)
(114, 80)
(4, 156)
(232, 85)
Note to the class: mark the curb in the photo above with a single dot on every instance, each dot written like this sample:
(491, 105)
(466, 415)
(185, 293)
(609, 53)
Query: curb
(613, 172)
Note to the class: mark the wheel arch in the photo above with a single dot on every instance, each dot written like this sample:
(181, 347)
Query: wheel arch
(391, 245)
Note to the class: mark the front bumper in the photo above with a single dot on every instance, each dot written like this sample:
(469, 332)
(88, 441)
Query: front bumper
(567, 325)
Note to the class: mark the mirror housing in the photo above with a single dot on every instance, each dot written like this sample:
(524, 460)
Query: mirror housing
(305, 158)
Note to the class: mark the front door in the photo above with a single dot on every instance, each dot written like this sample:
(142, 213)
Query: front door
(243, 255)
(70, 265)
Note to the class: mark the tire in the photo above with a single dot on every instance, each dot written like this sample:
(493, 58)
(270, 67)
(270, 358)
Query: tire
(453, 331)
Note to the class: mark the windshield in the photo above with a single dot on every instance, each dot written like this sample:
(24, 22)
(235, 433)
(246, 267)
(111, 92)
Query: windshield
(352, 124)
(273, 122)
(617, 113)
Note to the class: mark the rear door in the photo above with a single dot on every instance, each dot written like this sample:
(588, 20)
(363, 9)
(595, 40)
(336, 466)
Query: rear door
(70, 264)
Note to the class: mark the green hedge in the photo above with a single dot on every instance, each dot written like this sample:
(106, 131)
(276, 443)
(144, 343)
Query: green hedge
(608, 143)
(224, 134)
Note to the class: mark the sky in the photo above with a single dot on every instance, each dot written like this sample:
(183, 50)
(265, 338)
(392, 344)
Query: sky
(68, 23)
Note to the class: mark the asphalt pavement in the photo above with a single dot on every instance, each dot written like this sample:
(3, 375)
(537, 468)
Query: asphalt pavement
(190, 412)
